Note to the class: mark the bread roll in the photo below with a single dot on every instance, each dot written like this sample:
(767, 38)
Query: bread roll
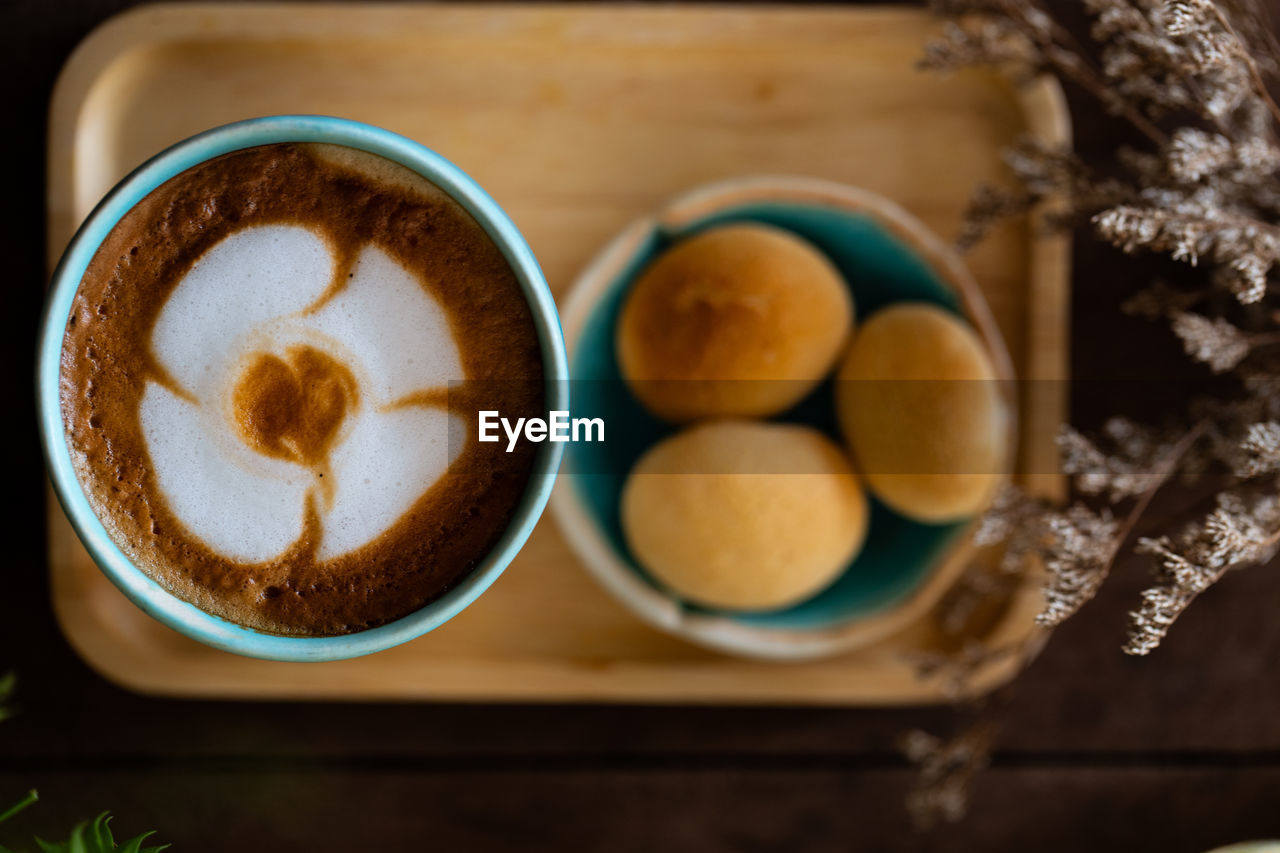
(919, 404)
(739, 320)
(744, 516)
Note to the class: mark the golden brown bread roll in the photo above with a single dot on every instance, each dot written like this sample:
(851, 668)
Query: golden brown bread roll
(934, 450)
(744, 515)
(740, 320)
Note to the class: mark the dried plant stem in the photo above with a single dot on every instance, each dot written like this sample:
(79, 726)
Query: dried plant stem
(1168, 465)
(1065, 57)
(1255, 73)
(1263, 339)
(1273, 539)
(949, 764)
(1263, 93)
(1240, 220)
(1088, 81)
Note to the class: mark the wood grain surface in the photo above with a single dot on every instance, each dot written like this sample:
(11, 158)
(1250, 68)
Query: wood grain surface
(578, 120)
(1179, 752)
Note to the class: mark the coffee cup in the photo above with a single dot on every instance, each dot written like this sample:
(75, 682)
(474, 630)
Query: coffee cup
(142, 587)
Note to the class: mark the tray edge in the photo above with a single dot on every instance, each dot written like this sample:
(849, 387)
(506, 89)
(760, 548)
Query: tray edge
(1043, 105)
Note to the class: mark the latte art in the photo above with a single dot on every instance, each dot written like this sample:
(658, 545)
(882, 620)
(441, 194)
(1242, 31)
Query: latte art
(270, 383)
(293, 409)
(255, 341)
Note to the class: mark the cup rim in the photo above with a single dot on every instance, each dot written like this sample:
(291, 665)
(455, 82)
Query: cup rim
(137, 586)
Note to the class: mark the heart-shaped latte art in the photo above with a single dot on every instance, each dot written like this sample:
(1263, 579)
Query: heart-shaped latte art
(292, 407)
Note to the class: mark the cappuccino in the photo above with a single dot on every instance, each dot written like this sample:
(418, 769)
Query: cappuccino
(270, 383)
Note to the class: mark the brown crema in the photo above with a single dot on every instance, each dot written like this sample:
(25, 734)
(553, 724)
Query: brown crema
(292, 409)
(291, 406)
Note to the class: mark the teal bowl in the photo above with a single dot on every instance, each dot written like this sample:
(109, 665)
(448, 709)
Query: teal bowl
(886, 256)
(141, 589)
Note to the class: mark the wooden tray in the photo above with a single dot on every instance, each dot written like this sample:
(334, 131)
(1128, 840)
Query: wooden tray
(576, 119)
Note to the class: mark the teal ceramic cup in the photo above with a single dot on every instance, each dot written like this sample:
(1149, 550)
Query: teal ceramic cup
(136, 585)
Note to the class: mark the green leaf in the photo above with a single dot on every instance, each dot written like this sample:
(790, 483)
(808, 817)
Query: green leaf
(88, 836)
(30, 798)
(8, 686)
(99, 837)
(134, 845)
(77, 843)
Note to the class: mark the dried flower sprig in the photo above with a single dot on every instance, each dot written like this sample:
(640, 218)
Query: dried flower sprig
(955, 671)
(1077, 545)
(1080, 552)
(947, 767)
(1211, 340)
(1239, 532)
(1190, 78)
(1197, 196)
(1206, 192)
(1261, 450)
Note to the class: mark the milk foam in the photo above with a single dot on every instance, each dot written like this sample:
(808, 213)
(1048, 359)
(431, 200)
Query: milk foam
(254, 275)
(247, 513)
(259, 290)
(393, 329)
(387, 463)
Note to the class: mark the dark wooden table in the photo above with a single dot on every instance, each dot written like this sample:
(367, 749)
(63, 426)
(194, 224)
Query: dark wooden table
(1179, 752)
